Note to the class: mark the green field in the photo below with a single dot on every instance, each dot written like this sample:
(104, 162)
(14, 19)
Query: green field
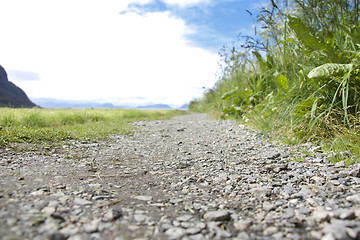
(51, 126)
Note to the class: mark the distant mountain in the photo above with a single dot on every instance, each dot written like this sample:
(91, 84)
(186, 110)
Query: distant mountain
(11, 95)
(185, 106)
(57, 103)
(61, 103)
(155, 106)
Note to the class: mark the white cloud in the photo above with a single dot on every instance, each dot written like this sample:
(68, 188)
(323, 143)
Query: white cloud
(185, 3)
(85, 50)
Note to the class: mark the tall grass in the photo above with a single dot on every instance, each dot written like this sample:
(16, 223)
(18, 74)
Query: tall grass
(299, 77)
(51, 126)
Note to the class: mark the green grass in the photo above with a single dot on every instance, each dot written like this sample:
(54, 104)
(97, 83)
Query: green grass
(298, 79)
(50, 126)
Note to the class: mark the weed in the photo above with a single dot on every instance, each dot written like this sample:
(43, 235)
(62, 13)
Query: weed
(299, 77)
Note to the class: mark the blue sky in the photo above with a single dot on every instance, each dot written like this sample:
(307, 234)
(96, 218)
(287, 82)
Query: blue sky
(119, 51)
(216, 23)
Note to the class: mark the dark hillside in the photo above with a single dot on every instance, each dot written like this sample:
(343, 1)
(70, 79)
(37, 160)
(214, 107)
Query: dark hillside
(10, 94)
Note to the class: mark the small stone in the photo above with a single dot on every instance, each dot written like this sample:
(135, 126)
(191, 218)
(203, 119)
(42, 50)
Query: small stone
(140, 217)
(337, 229)
(193, 230)
(354, 198)
(70, 230)
(92, 226)
(220, 215)
(354, 233)
(270, 230)
(184, 218)
(288, 213)
(347, 214)
(143, 198)
(340, 164)
(57, 236)
(267, 206)
(112, 214)
(48, 210)
(304, 193)
(320, 216)
(80, 201)
(242, 225)
(49, 226)
(243, 236)
(197, 237)
(175, 233)
(355, 172)
(37, 193)
(328, 236)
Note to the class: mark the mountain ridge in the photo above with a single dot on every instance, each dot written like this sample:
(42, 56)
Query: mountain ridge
(11, 95)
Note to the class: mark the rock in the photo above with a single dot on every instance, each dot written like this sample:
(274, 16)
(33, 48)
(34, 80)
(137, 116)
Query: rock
(354, 198)
(57, 236)
(347, 214)
(184, 218)
(243, 225)
(220, 215)
(82, 202)
(320, 216)
(92, 226)
(175, 232)
(143, 198)
(288, 213)
(48, 210)
(267, 206)
(140, 217)
(353, 233)
(193, 230)
(112, 214)
(270, 230)
(336, 230)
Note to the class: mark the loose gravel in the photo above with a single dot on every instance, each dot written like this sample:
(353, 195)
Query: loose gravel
(185, 178)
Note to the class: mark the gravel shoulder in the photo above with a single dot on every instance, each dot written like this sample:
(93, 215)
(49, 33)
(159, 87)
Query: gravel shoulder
(185, 178)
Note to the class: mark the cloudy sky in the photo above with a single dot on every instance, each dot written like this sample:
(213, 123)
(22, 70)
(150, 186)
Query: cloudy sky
(118, 51)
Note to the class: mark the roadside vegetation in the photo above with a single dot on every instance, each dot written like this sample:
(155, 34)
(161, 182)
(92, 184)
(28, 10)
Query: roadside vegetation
(52, 126)
(298, 79)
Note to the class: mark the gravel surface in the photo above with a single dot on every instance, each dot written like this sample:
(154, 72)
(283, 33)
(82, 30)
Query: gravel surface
(185, 178)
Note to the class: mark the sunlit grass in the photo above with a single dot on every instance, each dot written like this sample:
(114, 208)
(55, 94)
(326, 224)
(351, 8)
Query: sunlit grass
(54, 125)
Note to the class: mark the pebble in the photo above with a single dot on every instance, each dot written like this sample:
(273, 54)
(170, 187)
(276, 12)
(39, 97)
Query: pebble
(175, 232)
(220, 215)
(185, 178)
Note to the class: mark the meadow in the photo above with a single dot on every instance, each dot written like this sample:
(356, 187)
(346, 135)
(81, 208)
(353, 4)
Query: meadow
(297, 79)
(51, 126)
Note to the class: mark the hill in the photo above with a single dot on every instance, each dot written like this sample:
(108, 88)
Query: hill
(11, 95)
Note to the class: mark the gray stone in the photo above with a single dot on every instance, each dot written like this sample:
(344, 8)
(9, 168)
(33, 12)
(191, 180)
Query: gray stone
(220, 215)
(112, 214)
(140, 217)
(82, 202)
(354, 198)
(175, 233)
(143, 198)
(320, 216)
(243, 225)
(288, 213)
(91, 226)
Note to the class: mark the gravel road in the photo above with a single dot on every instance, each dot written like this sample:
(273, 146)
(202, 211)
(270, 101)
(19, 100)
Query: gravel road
(185, 178)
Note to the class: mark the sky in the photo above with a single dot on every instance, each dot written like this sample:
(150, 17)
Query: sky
(119, 51)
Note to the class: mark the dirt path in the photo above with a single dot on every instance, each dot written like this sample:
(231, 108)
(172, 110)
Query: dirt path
(185, 178)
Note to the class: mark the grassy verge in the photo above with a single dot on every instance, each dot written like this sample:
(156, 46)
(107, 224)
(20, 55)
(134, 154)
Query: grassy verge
(298, 77)
(51, 126)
